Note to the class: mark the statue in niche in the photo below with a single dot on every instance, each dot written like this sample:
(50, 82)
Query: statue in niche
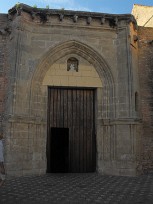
(72, 64)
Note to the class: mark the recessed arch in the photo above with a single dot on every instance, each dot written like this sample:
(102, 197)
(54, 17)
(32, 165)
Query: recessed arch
(75, 47)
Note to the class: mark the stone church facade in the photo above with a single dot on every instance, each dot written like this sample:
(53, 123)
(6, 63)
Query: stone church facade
(83, 75)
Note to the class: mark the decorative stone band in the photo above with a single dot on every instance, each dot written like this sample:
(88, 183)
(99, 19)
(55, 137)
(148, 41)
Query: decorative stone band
(105, 122)
(26, 119)
(119, 121)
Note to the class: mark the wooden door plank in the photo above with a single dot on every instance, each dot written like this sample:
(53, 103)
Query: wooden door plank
(85, 132)
(81, 127)
(89, 127)
(65, 108)
(77, 136)
(74, 149)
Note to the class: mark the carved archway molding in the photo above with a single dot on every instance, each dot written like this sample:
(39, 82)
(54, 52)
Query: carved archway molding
(75, 47)
(88, 53)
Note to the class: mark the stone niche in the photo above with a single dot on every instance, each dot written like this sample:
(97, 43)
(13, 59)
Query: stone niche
(102, 58)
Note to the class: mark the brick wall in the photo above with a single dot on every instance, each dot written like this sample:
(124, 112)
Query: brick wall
(3, 67)
(146, 91)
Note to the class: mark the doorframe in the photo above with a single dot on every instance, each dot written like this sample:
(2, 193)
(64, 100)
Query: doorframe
(95, 109)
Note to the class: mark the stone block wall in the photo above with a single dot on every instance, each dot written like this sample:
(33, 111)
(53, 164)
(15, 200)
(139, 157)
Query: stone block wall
(3, 66)
(146, 91)
(57, 75)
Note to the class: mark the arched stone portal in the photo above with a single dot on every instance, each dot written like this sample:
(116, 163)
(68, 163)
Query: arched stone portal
(100, 55)
(93, 72)
(115, 144)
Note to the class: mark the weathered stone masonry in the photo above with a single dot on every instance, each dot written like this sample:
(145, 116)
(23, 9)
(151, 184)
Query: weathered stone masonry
(106, 46)
(146, 94)
(3, 66)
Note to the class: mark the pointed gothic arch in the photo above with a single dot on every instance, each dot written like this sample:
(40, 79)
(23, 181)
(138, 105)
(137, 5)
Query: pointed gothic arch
(88, 53)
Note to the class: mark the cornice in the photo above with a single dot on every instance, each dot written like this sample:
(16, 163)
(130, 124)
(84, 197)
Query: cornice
(44, 14)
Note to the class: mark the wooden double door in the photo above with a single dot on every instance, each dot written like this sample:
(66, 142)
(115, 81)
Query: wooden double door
(71, 141)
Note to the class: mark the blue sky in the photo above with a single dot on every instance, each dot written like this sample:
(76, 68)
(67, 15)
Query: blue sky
(104, 6)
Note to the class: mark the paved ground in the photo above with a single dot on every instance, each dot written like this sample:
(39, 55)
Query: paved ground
(78, 188)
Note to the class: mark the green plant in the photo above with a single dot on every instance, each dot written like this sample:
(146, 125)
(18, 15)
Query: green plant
(47, 7)
(17, 5)
(35, 6)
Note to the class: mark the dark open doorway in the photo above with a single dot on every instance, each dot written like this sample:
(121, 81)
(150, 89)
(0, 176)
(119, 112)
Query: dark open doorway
(59, 150)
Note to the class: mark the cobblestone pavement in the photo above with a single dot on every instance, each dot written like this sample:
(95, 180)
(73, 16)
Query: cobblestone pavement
(77, 188)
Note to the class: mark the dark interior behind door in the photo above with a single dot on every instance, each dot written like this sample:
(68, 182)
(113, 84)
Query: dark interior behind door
(59, 151)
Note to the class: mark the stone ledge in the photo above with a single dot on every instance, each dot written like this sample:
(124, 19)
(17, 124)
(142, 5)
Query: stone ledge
(120, 121)
(27, 119)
